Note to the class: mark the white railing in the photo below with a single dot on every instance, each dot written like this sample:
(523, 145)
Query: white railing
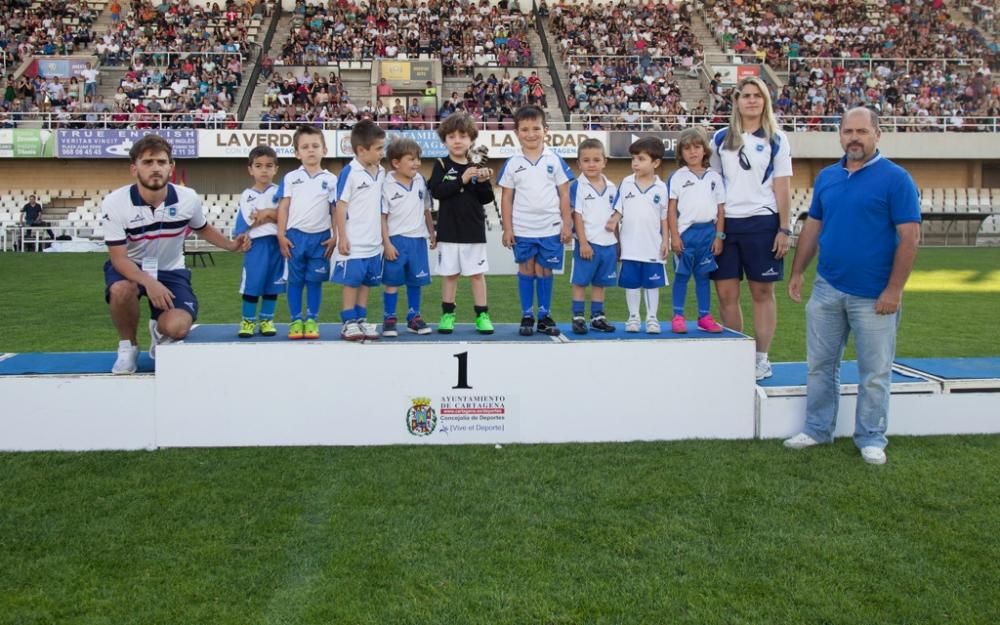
(810, 61)
(789, 123)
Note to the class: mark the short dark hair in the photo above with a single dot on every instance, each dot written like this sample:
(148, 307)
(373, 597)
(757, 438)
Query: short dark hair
(590, 144)
(306, 130)
(151, 143)
(262, 151)
(400, 147)
(365, 133)
(529, 112)
(651, 146)
(458, 122)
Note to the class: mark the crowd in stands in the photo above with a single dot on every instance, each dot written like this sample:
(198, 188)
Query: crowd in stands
(462, 34)
(49, 27)
(293, 99)
(622, 59)
(937, 95)
(776, 31)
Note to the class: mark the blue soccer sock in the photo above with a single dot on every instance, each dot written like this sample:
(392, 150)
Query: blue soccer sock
(295, 300)
(544, 287)
(360, 312)
(703, 291)
(526, 291)
(389, 304)
(413, 301)
(314, 295)
(578, 308)
(679, 292)
(249, 307)
(596, 309)
(350, 314)
(267, 306)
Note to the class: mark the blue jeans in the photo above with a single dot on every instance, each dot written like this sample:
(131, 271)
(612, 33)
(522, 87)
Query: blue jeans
(830, 316)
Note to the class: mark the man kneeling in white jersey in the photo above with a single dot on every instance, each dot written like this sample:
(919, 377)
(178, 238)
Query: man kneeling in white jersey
(144, 228)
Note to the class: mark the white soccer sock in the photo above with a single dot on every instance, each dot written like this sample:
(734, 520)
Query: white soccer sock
(761, 357)
(632, 298)
(652, 303)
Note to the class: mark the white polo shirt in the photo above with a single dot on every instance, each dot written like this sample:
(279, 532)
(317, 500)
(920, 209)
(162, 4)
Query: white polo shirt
(253, 200)
(698, 197)
(363, 194)
(596, 208)
(311, 196)
(536, 192)
(152, 231)
(643, 212)
(750, 192)
(405, 206)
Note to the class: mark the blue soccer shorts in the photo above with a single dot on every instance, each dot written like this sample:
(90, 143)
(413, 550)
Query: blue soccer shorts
(545, 251)
(356, 272)
(747, 251)
(178, 281)
(308, 263)
(412, 267)
(263, 268)
(636, 274)
(600, 270)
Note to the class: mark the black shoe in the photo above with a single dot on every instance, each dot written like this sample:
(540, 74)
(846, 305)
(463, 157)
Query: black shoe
(600, 324)
(579, 325)
(527, 326)
(547, 326)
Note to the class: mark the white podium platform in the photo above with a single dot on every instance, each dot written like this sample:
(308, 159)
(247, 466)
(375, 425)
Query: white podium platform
(919, 405)
(462, 388)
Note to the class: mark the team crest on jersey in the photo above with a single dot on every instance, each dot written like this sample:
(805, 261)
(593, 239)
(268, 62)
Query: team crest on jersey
(760, 148)
(421, 420)
(324, 185)
(172, 211)
(713, 186)
(550, 169)
(656, 199)
(420, 194)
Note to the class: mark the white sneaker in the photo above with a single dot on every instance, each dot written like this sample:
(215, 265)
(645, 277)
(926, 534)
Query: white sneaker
(156, 338)
(800, 441)
(128, 354)
(352, 331)
(370, 330)
(652, 326)
(764, 370)
(873, 455)
(633, 324)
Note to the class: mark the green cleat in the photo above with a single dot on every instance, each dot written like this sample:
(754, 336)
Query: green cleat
(247, 328)
(483, 323)
(311, 330)
(267, 327)
(295, 330)
(447, 323)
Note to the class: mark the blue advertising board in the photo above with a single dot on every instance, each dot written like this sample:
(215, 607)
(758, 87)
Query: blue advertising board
(107, 143)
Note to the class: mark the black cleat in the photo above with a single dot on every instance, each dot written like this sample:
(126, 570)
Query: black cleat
(579, 325)
(547, 326)
(527, 326)
(600, 324)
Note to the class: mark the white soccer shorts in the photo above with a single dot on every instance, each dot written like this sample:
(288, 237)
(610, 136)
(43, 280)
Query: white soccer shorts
(467, 259)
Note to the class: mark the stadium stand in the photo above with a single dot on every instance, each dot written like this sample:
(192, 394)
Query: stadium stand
(623, 61)
(45, 28)
(462, 35)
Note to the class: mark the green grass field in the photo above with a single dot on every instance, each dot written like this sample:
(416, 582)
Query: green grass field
(699, 532)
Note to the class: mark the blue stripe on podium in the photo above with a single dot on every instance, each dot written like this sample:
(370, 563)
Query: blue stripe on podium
(66, 363)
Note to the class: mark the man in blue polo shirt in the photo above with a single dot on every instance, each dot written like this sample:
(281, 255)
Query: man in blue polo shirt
(865, 220)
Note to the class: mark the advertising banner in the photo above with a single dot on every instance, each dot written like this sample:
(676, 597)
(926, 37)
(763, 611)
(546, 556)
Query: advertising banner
(619, 142)
(26, 143)
(504, 144)
(107, 143)
(61, 68)
(430, 145)
(238, 143)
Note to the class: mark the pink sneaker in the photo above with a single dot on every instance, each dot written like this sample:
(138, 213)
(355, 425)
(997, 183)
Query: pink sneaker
(707, 324)
(678, 325)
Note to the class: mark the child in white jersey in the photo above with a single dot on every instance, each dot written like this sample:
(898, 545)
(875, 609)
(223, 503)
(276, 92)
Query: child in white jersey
(641, 205)
(696, 218)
